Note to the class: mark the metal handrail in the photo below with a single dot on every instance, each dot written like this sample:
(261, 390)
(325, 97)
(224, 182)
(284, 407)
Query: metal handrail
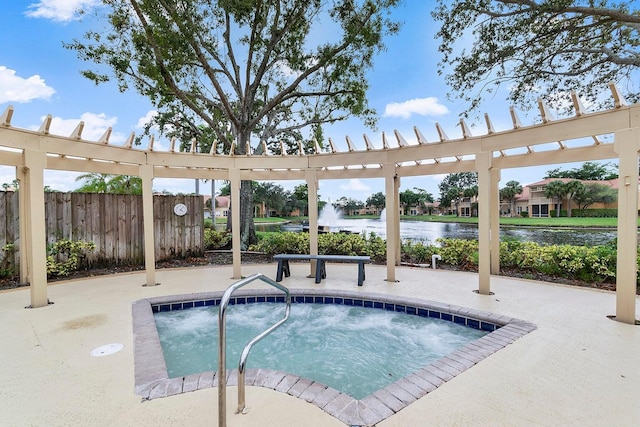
(222, 340)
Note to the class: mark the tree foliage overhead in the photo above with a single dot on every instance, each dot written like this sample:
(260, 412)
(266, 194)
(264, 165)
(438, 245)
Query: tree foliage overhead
(533, 46)
(265, 68)
(246, 71)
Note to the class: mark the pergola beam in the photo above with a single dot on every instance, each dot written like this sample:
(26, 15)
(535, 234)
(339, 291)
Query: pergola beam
(33, 151)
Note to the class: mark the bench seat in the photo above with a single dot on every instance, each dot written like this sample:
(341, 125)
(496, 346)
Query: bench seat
(321, 271)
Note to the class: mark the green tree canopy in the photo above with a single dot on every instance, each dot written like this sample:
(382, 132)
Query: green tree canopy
(453, 187)
(533, 46)
(377, 200)
(250, 71)
(349, 205)
(273, 196)
(111, 184)
(595, 193)
(589, 171)
(409, 198)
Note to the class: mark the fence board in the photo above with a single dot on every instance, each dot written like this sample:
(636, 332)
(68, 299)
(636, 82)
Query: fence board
(114, 222)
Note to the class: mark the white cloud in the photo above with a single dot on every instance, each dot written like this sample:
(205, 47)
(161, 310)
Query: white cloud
(59, 10)
(421, 106)
(355, 185)
(95, 125)
(146, 119)
(18, 89)
(61, 180)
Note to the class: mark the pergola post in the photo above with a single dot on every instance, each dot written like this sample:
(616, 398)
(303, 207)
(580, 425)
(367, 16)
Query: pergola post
(312, 203)
(396, 224)
(234, 179)
(627, 143)
(36, 246)
(23, 225)
(390, 178)
(494, 211)
(146, 175)
(483, 165)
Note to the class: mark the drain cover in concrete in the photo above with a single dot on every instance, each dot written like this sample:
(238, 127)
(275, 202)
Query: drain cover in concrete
(106, 350)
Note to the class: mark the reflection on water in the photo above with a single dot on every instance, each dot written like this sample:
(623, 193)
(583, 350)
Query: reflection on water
(430, 231)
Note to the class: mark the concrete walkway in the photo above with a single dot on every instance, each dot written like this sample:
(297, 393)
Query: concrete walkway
(577, 369)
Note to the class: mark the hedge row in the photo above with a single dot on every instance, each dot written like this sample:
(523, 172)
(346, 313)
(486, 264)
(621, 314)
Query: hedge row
(587, 213)
(587, 263)
(329, 243)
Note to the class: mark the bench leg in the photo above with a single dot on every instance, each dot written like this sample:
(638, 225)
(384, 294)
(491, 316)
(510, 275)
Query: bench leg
(285, 267)
(320, 271)
(360, 273)
(279, 271)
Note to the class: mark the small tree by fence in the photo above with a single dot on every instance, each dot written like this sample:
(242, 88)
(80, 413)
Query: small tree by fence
(113, 222)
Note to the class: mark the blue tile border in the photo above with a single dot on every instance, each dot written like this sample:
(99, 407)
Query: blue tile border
(152, 380)
(353, 302)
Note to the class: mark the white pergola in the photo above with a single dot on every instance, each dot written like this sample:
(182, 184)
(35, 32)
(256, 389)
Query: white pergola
(549, 142)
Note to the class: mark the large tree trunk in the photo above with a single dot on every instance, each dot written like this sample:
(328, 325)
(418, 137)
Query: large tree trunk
(247, 228)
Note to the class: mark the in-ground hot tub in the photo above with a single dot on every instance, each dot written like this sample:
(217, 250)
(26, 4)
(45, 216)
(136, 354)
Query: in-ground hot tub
(153, 380)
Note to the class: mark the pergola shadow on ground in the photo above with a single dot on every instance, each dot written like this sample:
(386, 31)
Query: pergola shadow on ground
(586, 136)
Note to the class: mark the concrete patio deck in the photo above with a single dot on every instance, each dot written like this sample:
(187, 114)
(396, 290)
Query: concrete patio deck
(577, 368)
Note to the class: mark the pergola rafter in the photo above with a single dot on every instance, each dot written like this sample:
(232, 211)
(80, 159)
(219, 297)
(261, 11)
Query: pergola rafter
(33, 151)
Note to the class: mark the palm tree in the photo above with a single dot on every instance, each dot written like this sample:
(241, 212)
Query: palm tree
(93, 183)
(553, 190)
(112, 184)
(509, 192)
(572, 189)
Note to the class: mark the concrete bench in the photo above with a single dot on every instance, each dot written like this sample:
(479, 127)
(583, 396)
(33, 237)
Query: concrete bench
(321, 270)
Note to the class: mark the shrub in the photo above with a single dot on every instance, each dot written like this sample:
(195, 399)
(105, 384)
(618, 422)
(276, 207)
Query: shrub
(282, 242)
(417, 252)
(595, 213)
(65, 256)
(458, 252)
(330, 243)
(214, 239)
(7, 269)
(587, 263)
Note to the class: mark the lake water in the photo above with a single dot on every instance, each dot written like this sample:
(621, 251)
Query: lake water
(430, 231)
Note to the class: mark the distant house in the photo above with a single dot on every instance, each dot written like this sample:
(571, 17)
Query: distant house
(223, 206)
(534, 201)
(223, 203)
(468, 207)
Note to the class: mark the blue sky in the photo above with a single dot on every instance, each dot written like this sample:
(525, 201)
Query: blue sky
(39, 77)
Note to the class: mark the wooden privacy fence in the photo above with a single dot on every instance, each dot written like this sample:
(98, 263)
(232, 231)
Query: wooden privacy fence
(113, 222)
